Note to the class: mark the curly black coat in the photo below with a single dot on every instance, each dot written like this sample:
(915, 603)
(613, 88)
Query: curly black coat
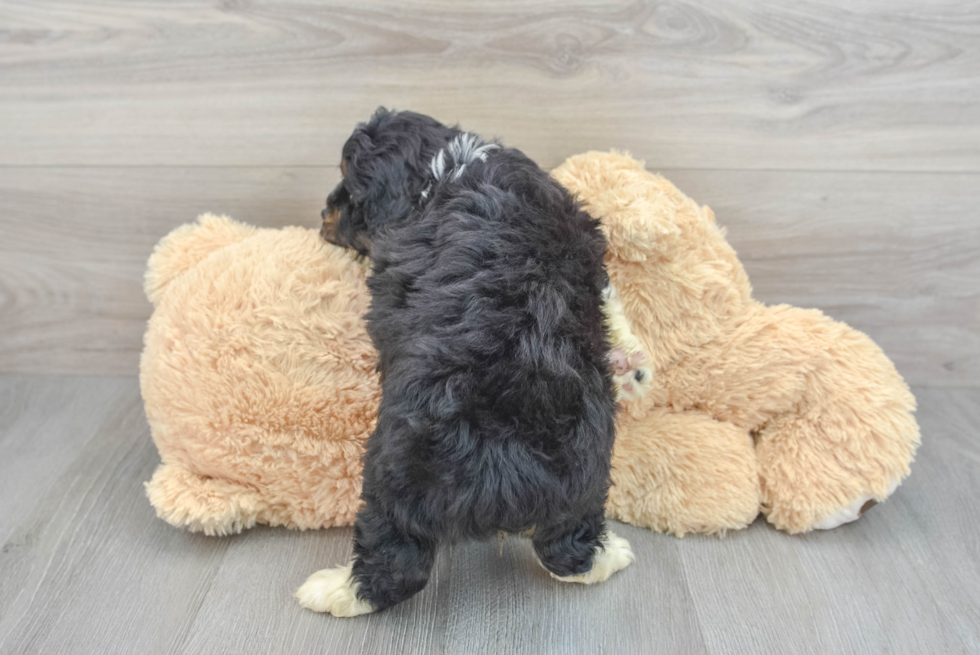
(497, 405)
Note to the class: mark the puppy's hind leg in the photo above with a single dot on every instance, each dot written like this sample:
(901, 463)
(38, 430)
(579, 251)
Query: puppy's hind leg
(586, 552)
(391, 564)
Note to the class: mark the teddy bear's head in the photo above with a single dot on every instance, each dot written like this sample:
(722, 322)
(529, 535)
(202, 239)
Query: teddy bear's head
(679, 279)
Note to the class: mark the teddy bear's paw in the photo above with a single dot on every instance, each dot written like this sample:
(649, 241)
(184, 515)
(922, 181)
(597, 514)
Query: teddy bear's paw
(333, 591)
(631, 379)
(853, 510)
(614, 555)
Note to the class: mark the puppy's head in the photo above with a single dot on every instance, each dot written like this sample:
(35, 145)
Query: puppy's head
(385, 168)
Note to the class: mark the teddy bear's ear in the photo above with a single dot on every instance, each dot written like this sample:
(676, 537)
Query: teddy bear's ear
(186, 246)
(638, 209)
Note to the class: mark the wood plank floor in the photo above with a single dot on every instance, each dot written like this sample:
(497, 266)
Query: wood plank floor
(86, 567)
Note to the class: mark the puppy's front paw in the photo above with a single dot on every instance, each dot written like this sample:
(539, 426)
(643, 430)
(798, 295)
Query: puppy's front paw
(631, 378)
(333, 591)
(614, 555)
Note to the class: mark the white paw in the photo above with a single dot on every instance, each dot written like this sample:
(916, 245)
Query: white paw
(631, 379)
(615, 555)
(853, 510)
(333, 591)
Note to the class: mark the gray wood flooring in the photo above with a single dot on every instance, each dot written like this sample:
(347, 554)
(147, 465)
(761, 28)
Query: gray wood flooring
(86, 567)
(838, 142)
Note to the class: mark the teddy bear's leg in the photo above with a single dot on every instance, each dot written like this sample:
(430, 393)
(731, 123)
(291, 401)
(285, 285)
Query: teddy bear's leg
(818, 473)
(847, 447)
(631, 378)
(215, 507)
(681, 472)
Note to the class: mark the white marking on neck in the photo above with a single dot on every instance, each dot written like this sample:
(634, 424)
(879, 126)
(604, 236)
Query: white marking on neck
(438, 164)
(464, 149)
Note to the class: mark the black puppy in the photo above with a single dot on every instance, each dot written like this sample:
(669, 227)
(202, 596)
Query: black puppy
(498, 403)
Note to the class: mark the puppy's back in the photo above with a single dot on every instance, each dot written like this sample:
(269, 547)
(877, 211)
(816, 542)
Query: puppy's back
(498, 405)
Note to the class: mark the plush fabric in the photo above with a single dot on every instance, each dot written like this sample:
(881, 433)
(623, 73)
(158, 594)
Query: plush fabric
(257, 377)
(777, 409)
(259, 385)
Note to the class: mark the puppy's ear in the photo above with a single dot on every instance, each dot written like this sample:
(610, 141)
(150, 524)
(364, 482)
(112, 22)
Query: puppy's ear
(356, 162)
(386, 164)
(389, 198)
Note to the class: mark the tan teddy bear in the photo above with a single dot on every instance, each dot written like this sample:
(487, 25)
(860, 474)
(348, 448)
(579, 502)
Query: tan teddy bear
(258, 379)
(752, 407)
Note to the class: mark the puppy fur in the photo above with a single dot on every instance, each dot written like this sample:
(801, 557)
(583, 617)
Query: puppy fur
(498, 404)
